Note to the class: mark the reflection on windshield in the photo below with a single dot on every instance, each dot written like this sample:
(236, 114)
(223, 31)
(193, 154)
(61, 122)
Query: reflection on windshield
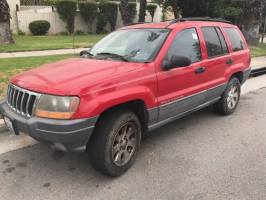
(131, 44)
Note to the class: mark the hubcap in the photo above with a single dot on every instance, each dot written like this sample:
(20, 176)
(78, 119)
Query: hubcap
(232, 97)
(124, 144)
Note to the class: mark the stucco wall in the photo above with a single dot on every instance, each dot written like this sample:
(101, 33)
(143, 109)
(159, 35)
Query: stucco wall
(12, 4)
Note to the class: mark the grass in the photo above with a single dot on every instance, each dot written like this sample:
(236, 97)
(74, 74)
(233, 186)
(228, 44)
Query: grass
(12, 66)
(33, 43)
(259, 50)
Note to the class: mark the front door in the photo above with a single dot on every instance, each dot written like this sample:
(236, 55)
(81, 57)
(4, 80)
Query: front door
(180, 89)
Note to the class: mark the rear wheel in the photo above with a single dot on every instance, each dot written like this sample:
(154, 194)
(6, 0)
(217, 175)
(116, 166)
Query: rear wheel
(115, 143)
(230, 98)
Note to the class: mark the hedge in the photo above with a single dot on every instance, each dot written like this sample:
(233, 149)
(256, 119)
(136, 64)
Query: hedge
(88, 11)
(67, 10)
(151, 8)
(40, 27)
(109, 10)
(132, 11)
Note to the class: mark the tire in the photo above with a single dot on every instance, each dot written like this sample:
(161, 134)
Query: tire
(225, 105)
(115, 143)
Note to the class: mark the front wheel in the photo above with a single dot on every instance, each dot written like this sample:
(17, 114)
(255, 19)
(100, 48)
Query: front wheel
(115, 143)
(230, 98)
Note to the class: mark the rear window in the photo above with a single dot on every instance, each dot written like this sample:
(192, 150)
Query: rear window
(235, 38)
(216, 45)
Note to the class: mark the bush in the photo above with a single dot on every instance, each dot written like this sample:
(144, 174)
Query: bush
(67, 10)
(20, 32)
(109, 10)
(80, 32)
(132, 11)
(40, 27)
(151, 8)
(88, 11)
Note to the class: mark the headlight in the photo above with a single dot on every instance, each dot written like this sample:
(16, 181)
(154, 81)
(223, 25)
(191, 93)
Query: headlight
(56, 107)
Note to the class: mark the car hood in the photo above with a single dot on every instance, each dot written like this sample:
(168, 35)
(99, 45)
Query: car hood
(69, 77)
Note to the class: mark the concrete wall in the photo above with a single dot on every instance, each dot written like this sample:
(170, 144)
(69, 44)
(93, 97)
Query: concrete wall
(27, 14)
(12, 4)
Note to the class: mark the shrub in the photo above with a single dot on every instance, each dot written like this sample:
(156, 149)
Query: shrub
(132, 11)
(67, 10)
(40, 27)
(88, 11)
(101, 23)
(151, 8)
(20, 32)
(80, 32)
(109, 10)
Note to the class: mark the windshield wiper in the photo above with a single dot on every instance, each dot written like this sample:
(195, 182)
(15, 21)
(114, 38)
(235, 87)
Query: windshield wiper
(112, 55)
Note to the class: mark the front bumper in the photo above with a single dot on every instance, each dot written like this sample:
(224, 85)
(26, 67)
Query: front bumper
(68, 135)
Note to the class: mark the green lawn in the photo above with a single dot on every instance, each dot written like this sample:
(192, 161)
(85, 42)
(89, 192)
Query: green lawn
(31, 43)
(12, 66)
(259, 50)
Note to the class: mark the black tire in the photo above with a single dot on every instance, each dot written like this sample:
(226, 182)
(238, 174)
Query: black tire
(104, 141)
(223, 106)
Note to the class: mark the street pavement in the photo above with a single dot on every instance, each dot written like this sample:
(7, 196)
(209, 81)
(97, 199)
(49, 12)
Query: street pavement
(202, 156)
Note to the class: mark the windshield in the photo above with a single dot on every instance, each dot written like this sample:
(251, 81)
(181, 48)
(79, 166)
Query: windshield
(140, 45)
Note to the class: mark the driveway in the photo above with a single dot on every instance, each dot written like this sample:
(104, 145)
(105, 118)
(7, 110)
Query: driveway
(203, 156)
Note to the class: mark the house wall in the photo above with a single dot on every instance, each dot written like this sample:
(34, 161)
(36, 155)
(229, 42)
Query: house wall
(12, 4)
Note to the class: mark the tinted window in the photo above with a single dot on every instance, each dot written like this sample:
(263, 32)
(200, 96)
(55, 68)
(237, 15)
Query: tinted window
(186, 44)
(236, 40)
(213, 42)
(222, 40)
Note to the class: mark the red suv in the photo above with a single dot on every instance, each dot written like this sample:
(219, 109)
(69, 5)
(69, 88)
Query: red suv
(136, 79)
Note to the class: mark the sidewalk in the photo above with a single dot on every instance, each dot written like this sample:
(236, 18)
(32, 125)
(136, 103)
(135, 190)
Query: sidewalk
(41, 53)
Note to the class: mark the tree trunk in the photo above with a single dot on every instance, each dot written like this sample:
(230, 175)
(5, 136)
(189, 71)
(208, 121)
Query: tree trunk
(125, 12)
(251, 31)
(253, 16)
(5, 32)
(142, 10)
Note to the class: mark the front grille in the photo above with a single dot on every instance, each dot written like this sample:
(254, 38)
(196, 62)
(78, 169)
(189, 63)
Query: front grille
(21, 101)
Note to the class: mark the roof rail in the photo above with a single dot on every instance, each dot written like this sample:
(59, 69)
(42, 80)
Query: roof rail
(198, 19)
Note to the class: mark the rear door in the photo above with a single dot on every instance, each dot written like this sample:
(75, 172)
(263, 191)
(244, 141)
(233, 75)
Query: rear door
(216, 60)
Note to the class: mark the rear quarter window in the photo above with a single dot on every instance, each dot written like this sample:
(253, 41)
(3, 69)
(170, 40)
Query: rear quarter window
(235, 38)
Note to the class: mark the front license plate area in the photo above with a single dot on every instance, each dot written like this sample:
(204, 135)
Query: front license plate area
(11, 126)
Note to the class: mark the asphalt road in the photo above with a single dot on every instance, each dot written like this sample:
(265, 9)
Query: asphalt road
(203, 156)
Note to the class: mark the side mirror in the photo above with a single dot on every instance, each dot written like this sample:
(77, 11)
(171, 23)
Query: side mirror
(177, 61)
(84, 53)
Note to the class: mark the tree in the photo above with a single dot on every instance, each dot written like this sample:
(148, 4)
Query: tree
(109, 10)
(142, 10)
(124, 9)
(201, 8)
(5, 32)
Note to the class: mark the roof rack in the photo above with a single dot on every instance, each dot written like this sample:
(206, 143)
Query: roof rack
(198, 19)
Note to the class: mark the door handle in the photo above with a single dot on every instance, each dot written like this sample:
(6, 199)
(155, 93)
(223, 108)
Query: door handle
(200, 70)
(229, 61)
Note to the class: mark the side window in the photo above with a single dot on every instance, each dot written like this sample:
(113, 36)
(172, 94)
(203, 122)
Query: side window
(222, 40)
(235, 38)
(215, 42)
(186, 43)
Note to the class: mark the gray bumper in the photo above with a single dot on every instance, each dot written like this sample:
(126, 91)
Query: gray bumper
(69, 135)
